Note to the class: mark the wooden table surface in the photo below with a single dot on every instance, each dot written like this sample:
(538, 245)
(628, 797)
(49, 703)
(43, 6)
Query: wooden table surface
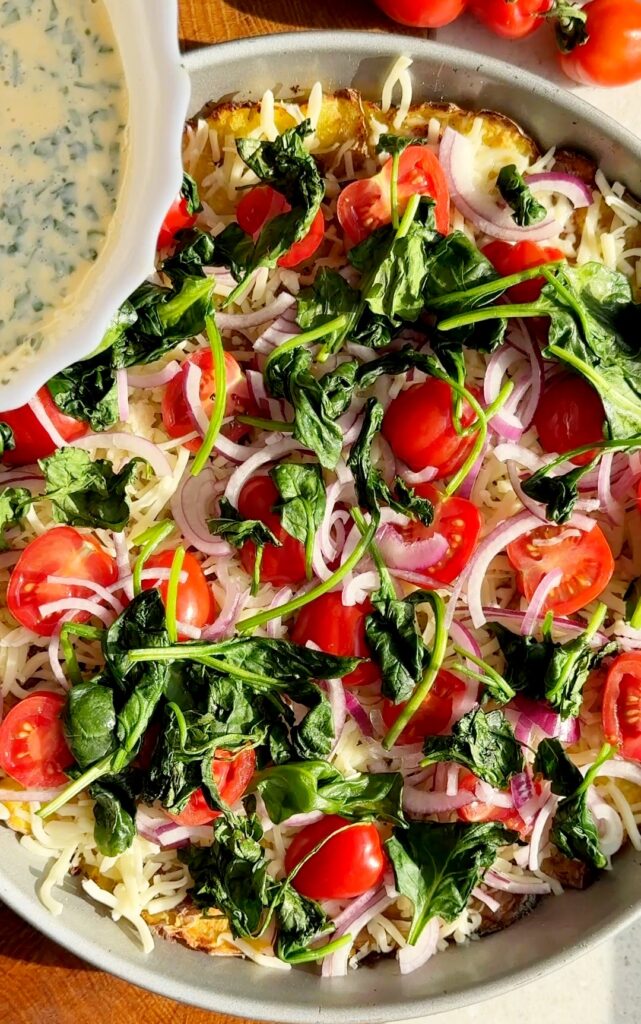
(40, 982)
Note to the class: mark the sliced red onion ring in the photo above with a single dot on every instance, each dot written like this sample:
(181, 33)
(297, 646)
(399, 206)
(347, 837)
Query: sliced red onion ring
(122, 441)
(425, 476)
(608, 822)
(419, 802)
(358, 713)
(456, 156)
(410, 958)
(490, 547)
(301, 820)
(45, 421)
(165, 833)
(192, 506)
(535, 609)
(539, 832)
(271, 311)
(416, 555)
(282, 329)
(336, 695)
(260, 458)
(521, 789)
(123, 395)
(484, 897)
(466, 488)
(568, 185)
(154, 380)
(568, 730)
(513, 618)
(77, 604)
(353, 919)
(191, 391)
(91, 585)
(612, 508)
(526, 887)
(360, 587)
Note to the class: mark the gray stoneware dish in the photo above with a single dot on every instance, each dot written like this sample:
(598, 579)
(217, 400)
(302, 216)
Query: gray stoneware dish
(561, 928)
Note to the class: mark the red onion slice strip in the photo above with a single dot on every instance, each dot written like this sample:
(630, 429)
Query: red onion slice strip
(191, 507)
(456, 156)
(490, 547)
(29, 796)
(45, 421)
(353, 919)
(419, 802)
(568, 185)
(154, 380)
(526, 887)
(271, 311)
(535, 609)
(122, 393)
(91, 585)
(77, 604)
(122, 441)
(358, 713)
(260, 458)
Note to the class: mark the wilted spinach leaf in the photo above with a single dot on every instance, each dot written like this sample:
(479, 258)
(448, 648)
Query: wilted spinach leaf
(484, 743)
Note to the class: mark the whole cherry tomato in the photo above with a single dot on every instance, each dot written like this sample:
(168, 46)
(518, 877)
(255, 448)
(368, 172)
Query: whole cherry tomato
(261, 205)
(32, 442)
(345, 866)
(512, 19)
(33, 749)
(338, 629)
(419, 428)
(182, 213)
(612, 53)
(423, 13)
(280, 565)
(195, 604)
(569, 415)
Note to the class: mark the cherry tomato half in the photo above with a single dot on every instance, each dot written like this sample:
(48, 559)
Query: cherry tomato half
(479, 811)
(338, 629)
(33, 750)
(366, 204)
(510, 259)
(261, 205)
(612, 53)
(434, 714)
(622, 705)
(61, 551)
(175, 411)
(346, 866)
(280, 565)
(195, 604)
(584, 558)
(570, 414)
(182, 213)
(512, 19)
(423, 13)
(32, 442)
(458, 520)
(232, 774)
(419, 427)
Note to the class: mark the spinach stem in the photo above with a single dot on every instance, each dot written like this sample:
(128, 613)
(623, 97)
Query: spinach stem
(337, 324)
(264, 424)
(310, 955)
(202, 653)
(73, 668)
(476, 316)
(606, 752)
(495, 287)
(237, 293)
(635, 620)
(439, 648)
(488, 671)
(172, 593)
(387, 585)
(148, 542)
(593, 625)
(76, 787)
(220, 396)
(254, 621)
(393, 189)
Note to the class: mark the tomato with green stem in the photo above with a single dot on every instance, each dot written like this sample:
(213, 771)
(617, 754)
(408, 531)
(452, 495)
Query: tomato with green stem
(435, 713)
(232, 775)
(366, 204)
(512, 19)
(279, 565)
(420, 429)
(347, 864)
(456, 519)
(584, 558)
(622, 705)
(510, 259)
(611, 55)
(569, 415)
(33, 749)
(174, 409)
(195, 605)
(261, 205)
(338, 629)
(62, 551)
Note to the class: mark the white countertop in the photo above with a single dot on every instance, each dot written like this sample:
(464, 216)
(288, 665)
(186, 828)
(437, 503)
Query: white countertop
(603, 987)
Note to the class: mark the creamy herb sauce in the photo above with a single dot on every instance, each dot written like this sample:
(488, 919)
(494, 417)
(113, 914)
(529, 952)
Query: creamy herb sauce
(63, 108)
